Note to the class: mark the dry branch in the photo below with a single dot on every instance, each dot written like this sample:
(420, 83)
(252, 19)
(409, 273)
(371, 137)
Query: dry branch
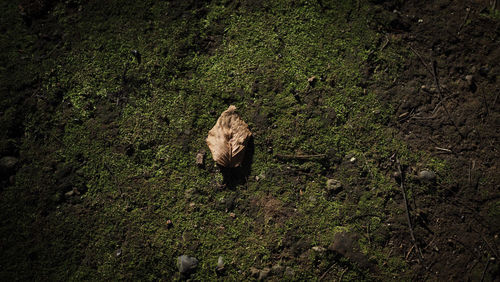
(408, 218)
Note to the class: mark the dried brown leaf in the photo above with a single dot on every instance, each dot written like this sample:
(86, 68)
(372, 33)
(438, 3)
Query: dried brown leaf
(227, 140)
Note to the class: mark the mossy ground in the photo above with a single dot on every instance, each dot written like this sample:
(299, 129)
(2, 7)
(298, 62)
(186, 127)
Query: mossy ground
(125, 134)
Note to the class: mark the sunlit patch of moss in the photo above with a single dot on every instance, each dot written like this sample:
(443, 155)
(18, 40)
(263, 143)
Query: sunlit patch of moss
(132, 131)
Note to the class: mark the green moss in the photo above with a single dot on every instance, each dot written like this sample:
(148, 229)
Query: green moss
(131, 130)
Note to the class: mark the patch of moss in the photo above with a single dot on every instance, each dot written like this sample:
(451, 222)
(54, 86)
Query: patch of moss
(130, 131)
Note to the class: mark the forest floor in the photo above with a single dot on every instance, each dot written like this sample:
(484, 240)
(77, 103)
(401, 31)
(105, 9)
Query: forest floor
(375, 151)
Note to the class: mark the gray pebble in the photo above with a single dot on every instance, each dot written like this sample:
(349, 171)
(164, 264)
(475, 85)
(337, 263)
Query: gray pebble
(8, 162)
(427, 176)
(260, 176)
(333, 185)
(220, 262)
(200, 158)
(186, 264)
(470, 79)
(220, 265)
(318, 249)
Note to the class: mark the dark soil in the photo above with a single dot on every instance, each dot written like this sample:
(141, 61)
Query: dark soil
(446, 101)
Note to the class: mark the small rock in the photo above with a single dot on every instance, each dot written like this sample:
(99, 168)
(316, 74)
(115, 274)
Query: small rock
(186, 264)
(471, 82)
(260, 177)
(232, 215)
(333, 186)
(200, 158)
(118, 252)
(427, 176)
(312, 79)
(469, 78)
(318, 249)
(220, 265)
(169, 224)
(8, 164)
(264, 273)
(73, 192)
(352, 160)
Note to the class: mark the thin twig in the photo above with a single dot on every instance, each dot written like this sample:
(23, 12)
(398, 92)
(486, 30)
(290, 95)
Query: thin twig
(444, 149)
(470, 167)
(301, 157)
(485, 103)
(385, 43)
(434, 73)
(421, 60)
(408, 218)
(485, 269)
(409, 252)
(469, 269)
(342, 274)
(326, 272)
(465, 20)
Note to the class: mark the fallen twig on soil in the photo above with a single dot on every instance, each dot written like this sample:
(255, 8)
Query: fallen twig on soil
(465, 20)
(485, 102)
(342, 274)
(421, 60)
(485, 269)
(408, 218)
(385, 43)
(409, 252)
(326, 272)
(444, 149)
(434, 73)
(301, 157)
(471, 167)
